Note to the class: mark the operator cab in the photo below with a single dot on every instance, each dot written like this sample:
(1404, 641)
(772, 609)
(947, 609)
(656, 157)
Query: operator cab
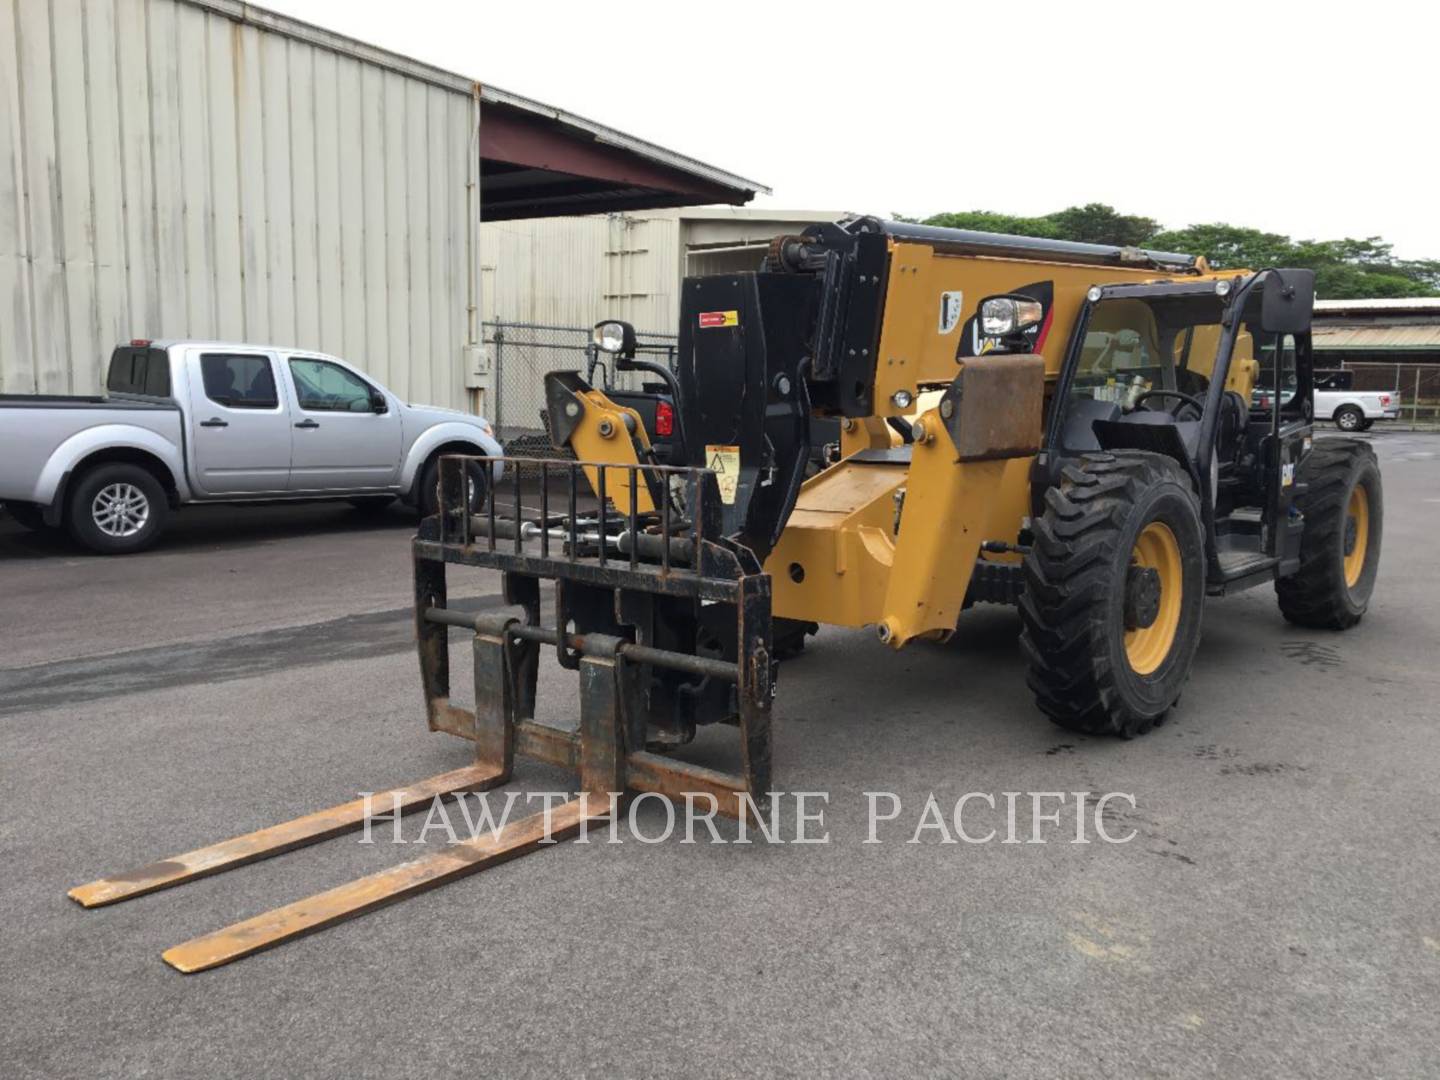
(1175, 369)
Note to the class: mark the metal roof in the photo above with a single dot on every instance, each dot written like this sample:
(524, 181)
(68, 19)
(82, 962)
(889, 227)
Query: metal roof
(1423, 338)
(658, 176)
(1411, 303)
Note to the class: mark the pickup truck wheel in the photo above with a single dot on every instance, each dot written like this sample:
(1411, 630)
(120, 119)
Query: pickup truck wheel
(116, 509)
(1349, 418)
(430, 478)
(28, 515)
(1366, 425)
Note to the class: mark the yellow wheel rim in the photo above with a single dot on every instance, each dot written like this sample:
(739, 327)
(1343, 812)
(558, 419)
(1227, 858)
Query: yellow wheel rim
(1156, 548)
(1358, 511)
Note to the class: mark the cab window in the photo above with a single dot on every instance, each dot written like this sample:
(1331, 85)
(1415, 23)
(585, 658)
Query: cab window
(239, 380)
(322, 386)
(1136, 356)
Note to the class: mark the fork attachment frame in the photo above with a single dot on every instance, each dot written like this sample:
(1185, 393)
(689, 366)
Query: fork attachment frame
(666, 628)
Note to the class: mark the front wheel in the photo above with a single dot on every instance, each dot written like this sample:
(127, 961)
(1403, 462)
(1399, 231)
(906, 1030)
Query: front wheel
(117, 509)
(1344, 512)
(1114, 593)
(477, 485)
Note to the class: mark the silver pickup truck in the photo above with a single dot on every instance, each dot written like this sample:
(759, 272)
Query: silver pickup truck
(208, 422)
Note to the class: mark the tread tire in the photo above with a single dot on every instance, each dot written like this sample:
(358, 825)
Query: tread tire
(1316, 596)
(1072, 608)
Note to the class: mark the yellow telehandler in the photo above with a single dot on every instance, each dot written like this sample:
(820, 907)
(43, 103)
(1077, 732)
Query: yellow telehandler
(1063, 427)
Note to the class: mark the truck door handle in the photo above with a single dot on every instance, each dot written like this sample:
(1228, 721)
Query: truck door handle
(307, 423)
(214, 421)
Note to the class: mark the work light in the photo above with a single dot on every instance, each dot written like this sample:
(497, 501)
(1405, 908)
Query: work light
(1001, 316)
(614, 336)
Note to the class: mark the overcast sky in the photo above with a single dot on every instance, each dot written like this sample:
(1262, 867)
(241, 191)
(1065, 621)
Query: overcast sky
(1316, 120)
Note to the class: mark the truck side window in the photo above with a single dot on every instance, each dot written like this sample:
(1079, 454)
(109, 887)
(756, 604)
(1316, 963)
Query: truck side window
(239, 380)
(325, 387)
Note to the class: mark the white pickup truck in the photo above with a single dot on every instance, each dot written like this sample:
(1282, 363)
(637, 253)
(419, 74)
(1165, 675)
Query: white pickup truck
(1350, 409)
(209, 422)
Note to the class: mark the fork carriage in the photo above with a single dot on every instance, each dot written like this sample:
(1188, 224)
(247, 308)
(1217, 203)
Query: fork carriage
(667, 625)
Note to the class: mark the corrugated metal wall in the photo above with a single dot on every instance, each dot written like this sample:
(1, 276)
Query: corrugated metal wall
(576, 271)
(168, 172)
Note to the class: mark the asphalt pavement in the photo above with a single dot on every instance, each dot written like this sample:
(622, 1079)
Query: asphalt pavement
(1274, 913)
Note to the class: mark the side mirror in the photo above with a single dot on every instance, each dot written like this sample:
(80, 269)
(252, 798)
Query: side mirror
(1287, 300)
(378, 404)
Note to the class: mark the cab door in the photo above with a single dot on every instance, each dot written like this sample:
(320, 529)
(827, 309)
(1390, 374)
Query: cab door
(239, 422)
(347, 433)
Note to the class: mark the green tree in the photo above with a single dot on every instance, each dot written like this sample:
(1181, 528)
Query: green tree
(1344, 269)
(985, 221)
(1096, 223)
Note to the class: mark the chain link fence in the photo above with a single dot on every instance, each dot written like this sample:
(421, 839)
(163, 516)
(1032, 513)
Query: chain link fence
(1417, 385)
(522, 353)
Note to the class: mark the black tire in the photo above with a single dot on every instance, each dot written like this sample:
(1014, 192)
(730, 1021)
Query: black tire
(1082, 584)
(1367, 424)
(29, 515)
(145, 513)
(1320, 595)
(1349, 418)
(425, 499)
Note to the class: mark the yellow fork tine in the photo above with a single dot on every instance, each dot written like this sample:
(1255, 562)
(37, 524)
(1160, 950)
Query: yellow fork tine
(310, 829)
(368, 893)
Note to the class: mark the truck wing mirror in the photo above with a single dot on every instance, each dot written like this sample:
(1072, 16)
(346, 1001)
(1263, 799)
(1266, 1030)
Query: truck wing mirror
(1287, 301)
(378, 404)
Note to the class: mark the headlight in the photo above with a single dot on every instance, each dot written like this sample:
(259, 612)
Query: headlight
(614, 336)
(1002, 316)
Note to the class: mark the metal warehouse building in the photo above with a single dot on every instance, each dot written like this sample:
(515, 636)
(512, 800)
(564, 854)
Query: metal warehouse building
(547, 281)
(209, 169)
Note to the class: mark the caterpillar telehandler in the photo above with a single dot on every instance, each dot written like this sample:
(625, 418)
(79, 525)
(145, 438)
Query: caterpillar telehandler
(1063, 427)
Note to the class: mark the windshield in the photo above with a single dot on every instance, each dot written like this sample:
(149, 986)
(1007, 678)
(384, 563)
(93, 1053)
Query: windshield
(1135, 347)
(1147, 358)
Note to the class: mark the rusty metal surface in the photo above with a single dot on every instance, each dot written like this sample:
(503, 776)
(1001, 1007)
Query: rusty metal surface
(995, 407)
(376, 890)
(263, 843)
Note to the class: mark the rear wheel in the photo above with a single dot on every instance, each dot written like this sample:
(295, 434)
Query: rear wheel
(1340, 550)
(1114, 592)
(1349, 418)
(116, 509)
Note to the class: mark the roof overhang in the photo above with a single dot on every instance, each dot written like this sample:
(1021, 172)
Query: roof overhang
(536, 160)
(540, 162)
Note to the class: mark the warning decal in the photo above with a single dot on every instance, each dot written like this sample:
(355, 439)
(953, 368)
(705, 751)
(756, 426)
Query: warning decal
(724, 462)
(710, 319)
